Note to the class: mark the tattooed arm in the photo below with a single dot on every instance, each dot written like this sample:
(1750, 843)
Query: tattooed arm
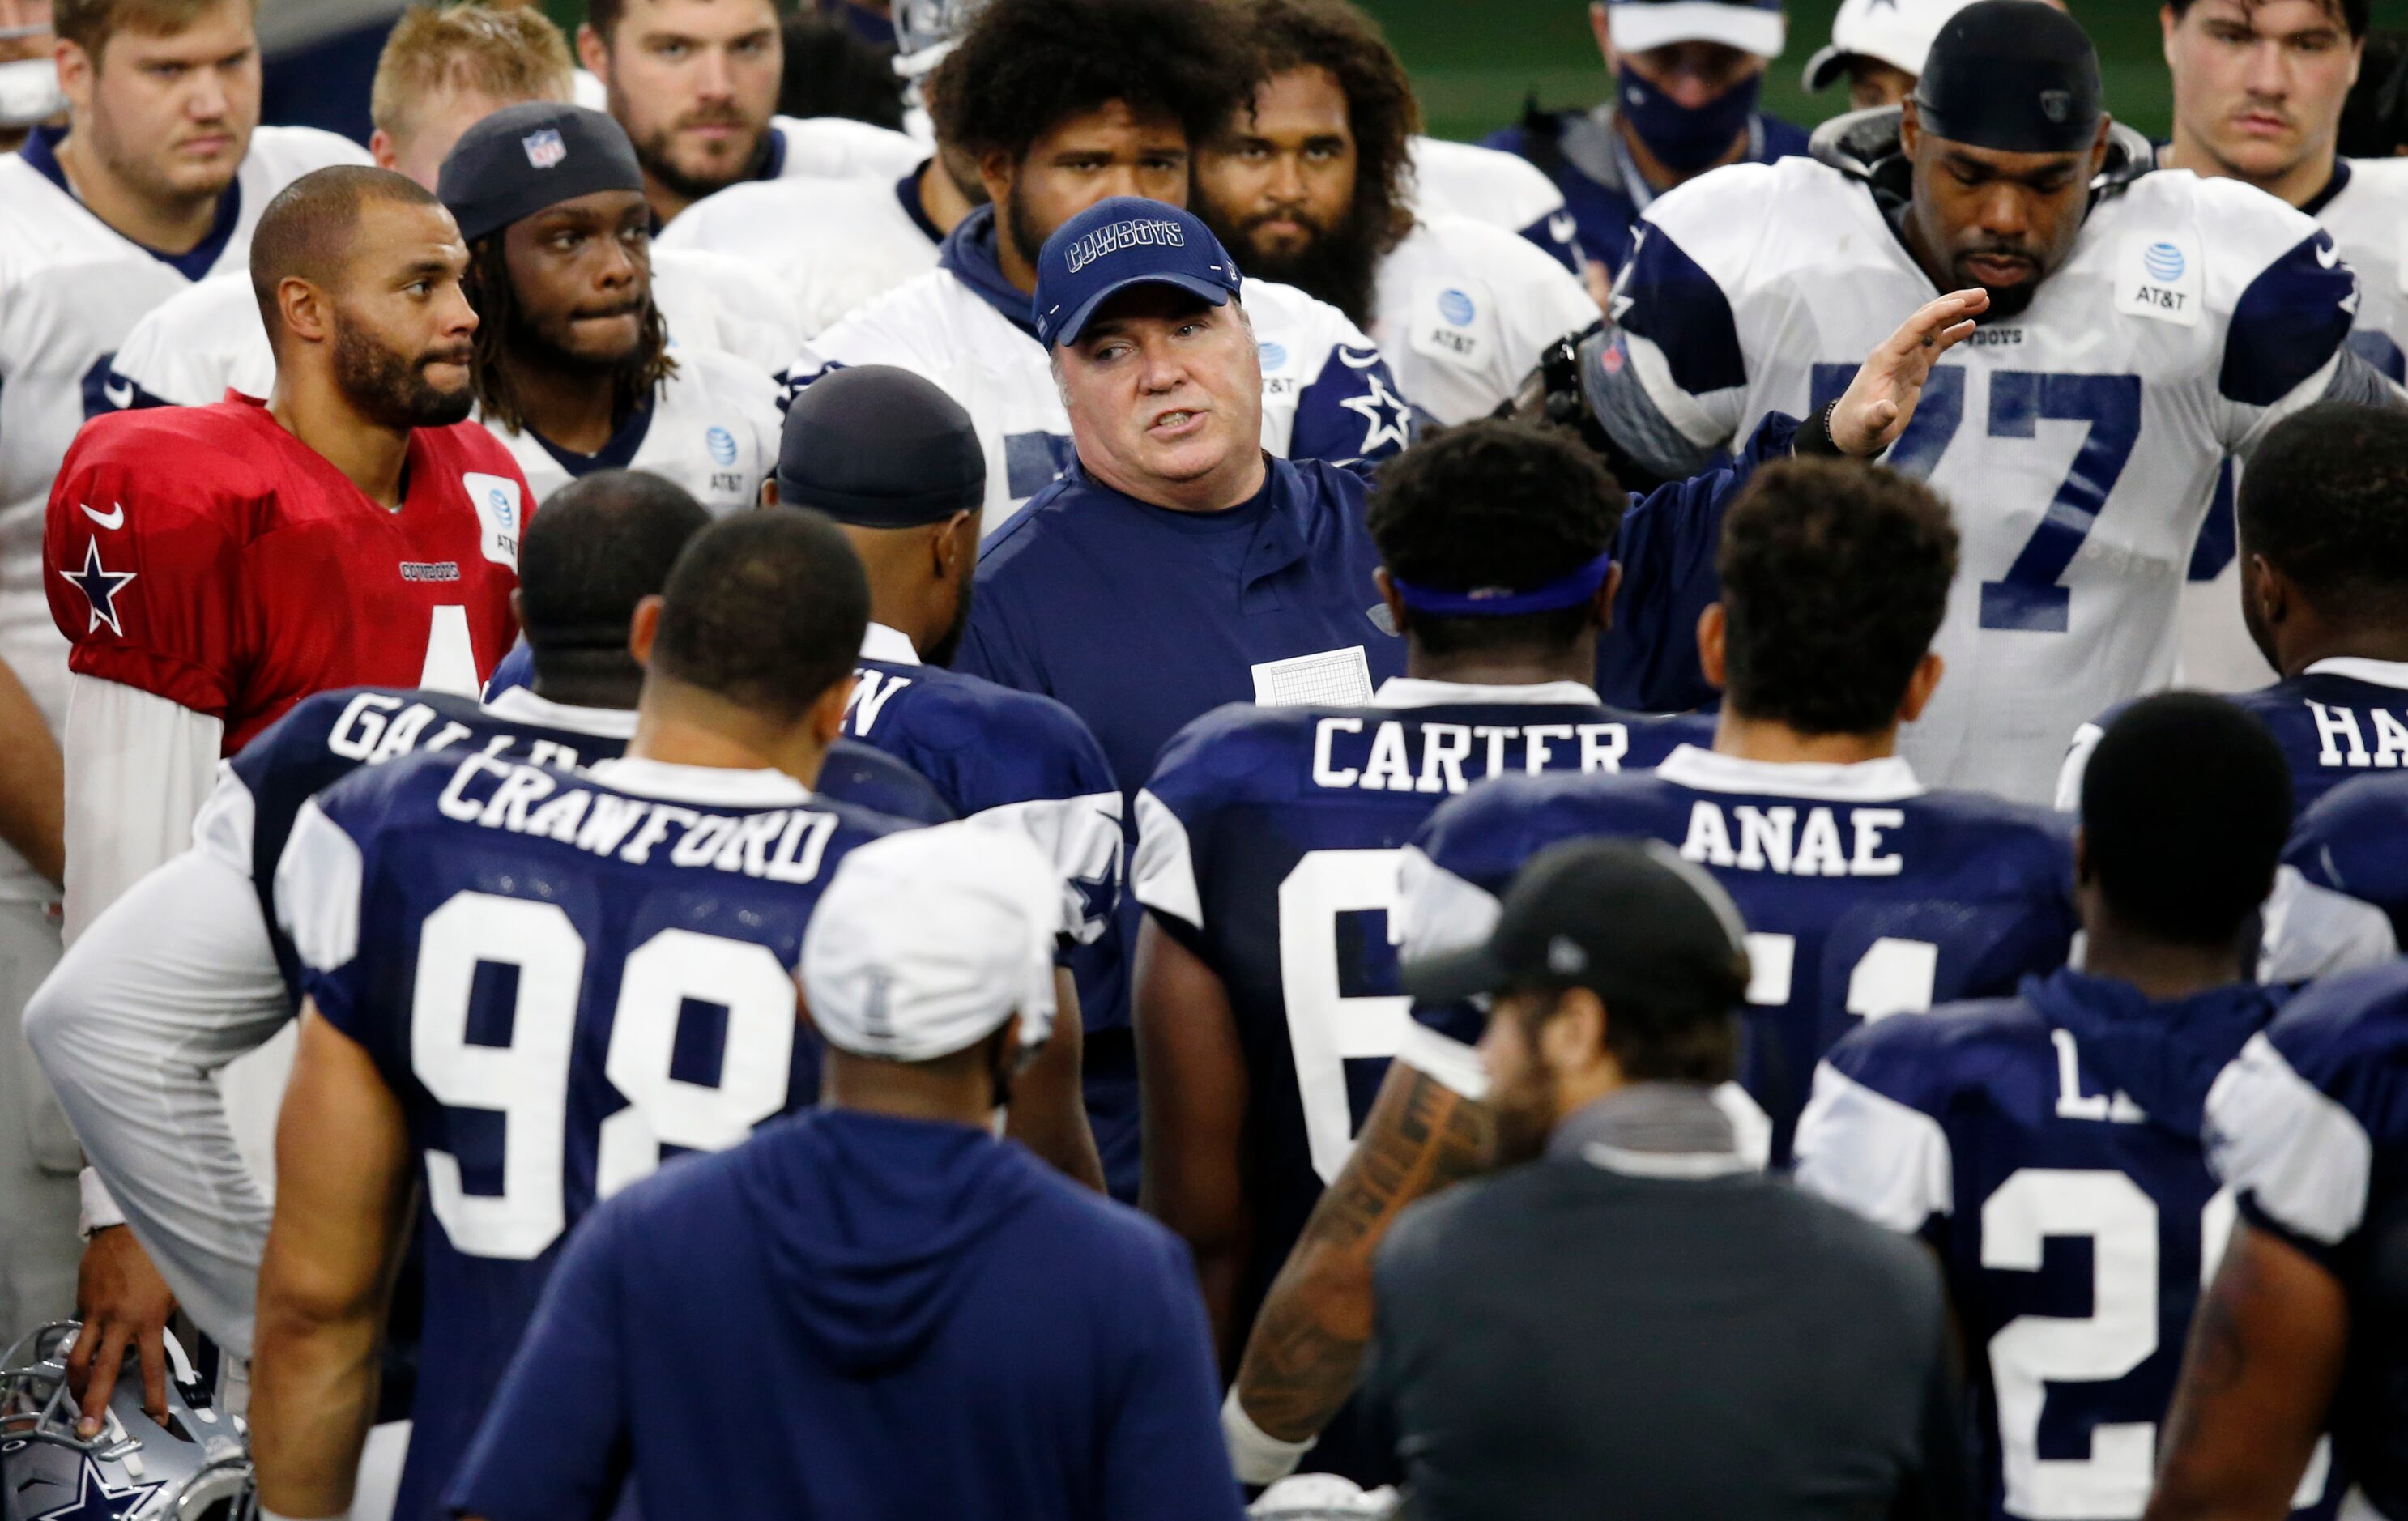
(1306, 1348)
(2265, 1355)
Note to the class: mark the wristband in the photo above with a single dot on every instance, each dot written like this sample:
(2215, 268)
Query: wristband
(100, 1210)
(1815, 439)
(1258, 1457)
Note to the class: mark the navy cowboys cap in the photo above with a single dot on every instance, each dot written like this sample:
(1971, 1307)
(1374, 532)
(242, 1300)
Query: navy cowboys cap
(1628, 920)
(2012, 76)
(525, 158)
(1124, 242)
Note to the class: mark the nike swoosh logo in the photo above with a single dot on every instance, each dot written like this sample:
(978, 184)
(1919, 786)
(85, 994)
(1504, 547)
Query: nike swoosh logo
(2328, 255)
(115, 519)
(120, 392)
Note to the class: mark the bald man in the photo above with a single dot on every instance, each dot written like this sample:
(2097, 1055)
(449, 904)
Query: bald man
(213, 566)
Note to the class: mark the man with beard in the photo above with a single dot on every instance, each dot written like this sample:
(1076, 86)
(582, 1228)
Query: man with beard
(1687, 75)
(354, 529)
(572, 368)
(1309, 184)
(1064, 104)
(695, 84)
(1630, 1304)
(213, 566)
(444, 68)
(2141, 328)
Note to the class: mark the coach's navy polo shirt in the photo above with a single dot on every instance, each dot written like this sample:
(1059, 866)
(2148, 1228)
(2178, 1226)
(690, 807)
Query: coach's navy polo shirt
(1139, 618)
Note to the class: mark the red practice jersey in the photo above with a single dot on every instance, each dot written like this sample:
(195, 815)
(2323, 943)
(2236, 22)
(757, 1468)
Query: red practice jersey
(205, 554)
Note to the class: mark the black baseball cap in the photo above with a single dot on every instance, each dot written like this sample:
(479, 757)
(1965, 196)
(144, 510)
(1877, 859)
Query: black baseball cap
(2012, 76)
(880, 447)
(1628, 920)
(530, 157)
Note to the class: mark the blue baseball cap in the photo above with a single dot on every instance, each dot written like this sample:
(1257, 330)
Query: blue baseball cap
(1116, 244)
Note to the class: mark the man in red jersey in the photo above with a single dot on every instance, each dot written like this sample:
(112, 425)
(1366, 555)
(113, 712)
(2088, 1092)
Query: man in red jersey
(212, 566)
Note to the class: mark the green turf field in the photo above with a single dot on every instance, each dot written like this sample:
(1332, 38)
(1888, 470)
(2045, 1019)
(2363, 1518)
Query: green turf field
(1476, 61)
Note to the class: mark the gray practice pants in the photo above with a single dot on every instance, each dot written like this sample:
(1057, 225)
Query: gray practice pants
(39, 1247)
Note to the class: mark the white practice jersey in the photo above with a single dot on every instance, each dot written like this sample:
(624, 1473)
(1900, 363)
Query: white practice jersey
(1326, 391)
(208, 339)
(1464, 310)
(827, 245)
(1503, 190)
(713, 429)
(71, 289)
(712, 301)
(2078, 443)
(2368, 219)
(839, 148)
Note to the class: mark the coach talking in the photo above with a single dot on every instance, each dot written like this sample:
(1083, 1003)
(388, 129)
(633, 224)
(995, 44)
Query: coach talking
(1175, 566)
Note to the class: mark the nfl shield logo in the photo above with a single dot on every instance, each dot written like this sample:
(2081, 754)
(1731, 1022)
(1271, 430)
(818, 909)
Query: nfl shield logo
(544, 149)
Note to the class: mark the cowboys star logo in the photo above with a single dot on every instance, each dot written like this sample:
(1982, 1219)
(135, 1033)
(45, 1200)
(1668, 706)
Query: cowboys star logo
(96, 1499)
(99, 586)
(1387, 420)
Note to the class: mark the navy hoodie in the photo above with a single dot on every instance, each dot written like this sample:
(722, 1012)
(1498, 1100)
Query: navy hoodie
(862, 1317)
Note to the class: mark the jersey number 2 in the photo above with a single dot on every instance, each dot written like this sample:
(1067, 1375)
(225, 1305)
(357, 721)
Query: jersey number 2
(2028, 597)
(2030, 1353)
(526, 1081)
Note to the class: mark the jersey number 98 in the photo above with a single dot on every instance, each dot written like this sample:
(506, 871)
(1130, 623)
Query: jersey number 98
(526, 1080)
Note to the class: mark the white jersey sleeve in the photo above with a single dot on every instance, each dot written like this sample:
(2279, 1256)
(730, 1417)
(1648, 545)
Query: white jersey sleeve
(1328, 393)
(828, 245)
(193, 347)
(1503, 190)
(173, 983)
(715, 301)
(2267, 275)
(1465, 311)
(2367, 217)
(840, 148)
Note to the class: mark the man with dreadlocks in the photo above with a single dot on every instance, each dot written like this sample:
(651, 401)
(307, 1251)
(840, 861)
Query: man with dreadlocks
(572, 368)
(1309, 184)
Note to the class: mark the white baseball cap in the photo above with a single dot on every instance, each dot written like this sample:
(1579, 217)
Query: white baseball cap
(926, 942)
(1898, 33)
(1755, 27)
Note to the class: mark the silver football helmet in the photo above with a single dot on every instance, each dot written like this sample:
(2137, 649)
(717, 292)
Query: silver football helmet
(1322, 1497)
(196, 1467)
(926, 30)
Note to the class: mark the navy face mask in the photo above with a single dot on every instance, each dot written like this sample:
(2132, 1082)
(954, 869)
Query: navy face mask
(1683, 139)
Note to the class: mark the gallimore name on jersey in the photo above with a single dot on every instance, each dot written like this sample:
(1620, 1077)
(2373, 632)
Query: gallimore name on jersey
(2079, 441)
(777, 845)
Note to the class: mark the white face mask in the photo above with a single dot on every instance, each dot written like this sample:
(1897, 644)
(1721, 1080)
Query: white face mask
(29, 92)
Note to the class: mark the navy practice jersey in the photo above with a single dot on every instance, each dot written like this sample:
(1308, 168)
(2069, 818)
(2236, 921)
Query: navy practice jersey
(1865, 896)
(858, 774)
(1017, 759)
(2048, 1147)
(565, 977)
(2339, 719)
(2310, 1129)
(325, 738)
(1269, 844)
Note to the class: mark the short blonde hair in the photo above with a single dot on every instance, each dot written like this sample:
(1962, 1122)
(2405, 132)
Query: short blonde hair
(510, 54)
(90, 23)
